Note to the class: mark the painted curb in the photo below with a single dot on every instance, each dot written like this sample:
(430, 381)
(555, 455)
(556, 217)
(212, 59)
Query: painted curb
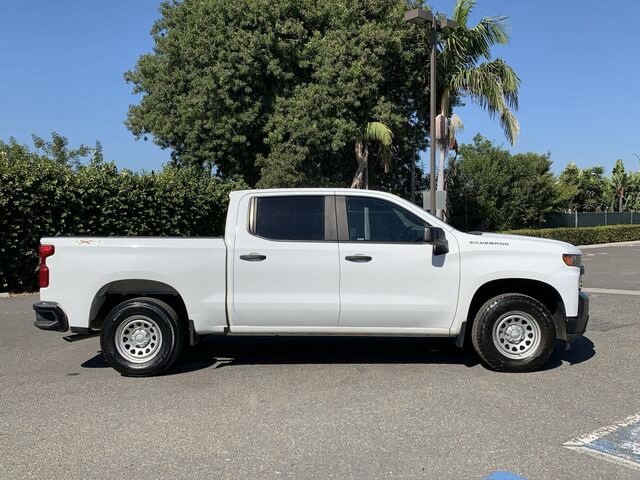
(4, 295)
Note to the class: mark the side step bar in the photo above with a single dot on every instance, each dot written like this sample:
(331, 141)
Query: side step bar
(81, 334)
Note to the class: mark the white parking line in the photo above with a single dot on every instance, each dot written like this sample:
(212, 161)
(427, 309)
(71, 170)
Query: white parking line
(612, 290)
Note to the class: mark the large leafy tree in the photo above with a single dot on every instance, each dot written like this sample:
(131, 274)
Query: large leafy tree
(466, 69)
(491, 189)
(278, 91)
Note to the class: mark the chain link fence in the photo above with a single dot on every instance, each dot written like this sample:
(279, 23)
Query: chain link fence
(590, 219)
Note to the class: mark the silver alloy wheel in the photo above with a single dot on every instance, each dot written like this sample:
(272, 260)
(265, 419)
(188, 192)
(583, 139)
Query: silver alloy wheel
(517, 335)
(138, 339)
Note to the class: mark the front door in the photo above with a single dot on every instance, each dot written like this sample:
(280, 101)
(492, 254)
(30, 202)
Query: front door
(390, 278)
(285, 263)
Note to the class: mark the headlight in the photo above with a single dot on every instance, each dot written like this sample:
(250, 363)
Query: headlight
(572, 260)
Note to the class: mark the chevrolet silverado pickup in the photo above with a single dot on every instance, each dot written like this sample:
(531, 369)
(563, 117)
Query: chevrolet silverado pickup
(315, 262)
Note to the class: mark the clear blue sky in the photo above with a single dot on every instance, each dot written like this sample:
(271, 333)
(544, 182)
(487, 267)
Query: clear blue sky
(61, 67)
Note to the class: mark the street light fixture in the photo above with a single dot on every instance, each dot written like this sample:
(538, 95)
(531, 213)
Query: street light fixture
(419, 16)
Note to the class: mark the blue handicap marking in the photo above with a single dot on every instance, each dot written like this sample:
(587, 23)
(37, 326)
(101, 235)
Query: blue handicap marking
(504, 476)
(619, 443)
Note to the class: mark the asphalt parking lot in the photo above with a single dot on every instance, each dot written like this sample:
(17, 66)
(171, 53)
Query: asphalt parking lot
(361, 408)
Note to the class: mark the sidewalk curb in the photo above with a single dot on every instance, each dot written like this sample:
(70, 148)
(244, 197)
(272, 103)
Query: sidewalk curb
(612, 244)
(4, 294)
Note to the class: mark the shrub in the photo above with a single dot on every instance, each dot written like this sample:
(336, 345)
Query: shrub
(40, 197)
(586, 235)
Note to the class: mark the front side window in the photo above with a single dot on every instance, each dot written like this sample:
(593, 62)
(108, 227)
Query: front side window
(374, 220)
(290, 218)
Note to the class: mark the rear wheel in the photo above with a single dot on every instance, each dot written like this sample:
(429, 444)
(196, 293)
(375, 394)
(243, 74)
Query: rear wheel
(513, 333)
(141, 337)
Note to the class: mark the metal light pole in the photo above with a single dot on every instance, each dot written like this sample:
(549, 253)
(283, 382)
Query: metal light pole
(414, 153)
(432, 121)
(419, 16)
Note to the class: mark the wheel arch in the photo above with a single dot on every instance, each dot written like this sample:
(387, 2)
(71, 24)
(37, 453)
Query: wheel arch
(118, 291)
(541, 291)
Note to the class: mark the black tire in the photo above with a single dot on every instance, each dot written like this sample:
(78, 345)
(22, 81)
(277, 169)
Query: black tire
(169, 340)
(496, 316)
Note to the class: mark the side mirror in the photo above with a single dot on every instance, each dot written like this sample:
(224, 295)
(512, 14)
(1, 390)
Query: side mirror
(436, 237)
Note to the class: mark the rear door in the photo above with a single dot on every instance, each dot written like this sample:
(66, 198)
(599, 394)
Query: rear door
(285, 262)
(390, 278)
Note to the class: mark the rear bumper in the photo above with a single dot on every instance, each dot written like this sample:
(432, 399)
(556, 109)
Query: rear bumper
(50, 316)
(576, 326)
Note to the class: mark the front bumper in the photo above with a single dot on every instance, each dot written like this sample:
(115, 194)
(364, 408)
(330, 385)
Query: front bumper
(50, 316)
(576, 326)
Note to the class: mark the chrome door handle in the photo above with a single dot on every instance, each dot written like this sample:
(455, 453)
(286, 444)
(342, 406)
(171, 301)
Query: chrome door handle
(358, 258)
(253, 257)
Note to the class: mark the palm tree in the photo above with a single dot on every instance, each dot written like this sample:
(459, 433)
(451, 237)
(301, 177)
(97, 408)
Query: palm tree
(633, 195)
(619, 183)
(382, 136)
(465, 68)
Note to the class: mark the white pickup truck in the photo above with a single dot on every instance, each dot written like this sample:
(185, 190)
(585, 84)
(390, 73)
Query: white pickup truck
(314, 262)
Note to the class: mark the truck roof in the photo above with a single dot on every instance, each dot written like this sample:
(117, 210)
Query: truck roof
(308, 190)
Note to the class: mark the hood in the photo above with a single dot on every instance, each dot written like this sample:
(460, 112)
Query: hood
(522, 241)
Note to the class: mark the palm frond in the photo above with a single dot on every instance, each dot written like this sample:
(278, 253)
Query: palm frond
(465, 47)
(484, 84)
(378, 132)
(509, 80)
(492, 74)
(455, 125)
(382, 135)
(461, 11)
(495, 30)
(510, 125)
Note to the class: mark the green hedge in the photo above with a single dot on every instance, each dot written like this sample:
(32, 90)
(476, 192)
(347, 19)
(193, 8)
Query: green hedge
(40, 197)
(586, 235)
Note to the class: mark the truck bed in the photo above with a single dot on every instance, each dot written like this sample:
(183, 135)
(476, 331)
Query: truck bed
(192, 267)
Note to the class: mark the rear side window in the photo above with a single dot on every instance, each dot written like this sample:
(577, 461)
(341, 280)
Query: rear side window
(290, 218)
(374, 220)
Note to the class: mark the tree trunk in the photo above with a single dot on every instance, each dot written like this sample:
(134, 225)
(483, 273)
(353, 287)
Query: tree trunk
(443, 146)
(413, 174)
(440, 213)
(361, 178)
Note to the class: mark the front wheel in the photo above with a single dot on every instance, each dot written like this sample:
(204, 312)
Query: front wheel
(513, 333)
(141, 337)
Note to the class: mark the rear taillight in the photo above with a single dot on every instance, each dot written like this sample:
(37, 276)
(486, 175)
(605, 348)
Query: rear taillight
(43, 270)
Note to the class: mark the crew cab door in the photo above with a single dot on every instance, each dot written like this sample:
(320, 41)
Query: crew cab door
(390, 278)
(285, 262)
